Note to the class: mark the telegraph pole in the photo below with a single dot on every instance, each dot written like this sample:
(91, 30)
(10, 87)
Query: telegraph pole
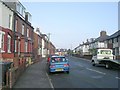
(49, 43)
(71, 50)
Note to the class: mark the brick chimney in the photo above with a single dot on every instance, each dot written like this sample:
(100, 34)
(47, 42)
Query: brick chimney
(87, 40)
(103, 33)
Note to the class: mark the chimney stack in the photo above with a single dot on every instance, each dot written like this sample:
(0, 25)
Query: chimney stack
(87, 40)
(103, 33)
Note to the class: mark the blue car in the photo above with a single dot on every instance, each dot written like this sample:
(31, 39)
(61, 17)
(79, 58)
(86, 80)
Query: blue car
(58, 64)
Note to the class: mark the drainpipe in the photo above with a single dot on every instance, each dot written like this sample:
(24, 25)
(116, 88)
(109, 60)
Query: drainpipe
(14, 22)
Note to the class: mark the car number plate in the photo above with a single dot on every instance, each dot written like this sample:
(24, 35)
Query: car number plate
(59, 69)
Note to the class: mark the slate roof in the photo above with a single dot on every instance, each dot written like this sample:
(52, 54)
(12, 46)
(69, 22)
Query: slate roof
(101, 38)
(116, 34)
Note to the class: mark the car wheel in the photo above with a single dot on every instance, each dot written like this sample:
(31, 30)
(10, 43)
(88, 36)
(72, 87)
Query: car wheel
(107, 66)
(49, 72)
(93, 63)
(67, 72)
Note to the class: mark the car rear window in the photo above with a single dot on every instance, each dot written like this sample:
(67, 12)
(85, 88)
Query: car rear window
(58, 59)
(106, 52)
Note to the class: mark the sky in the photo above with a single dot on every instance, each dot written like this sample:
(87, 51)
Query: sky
(71, 23)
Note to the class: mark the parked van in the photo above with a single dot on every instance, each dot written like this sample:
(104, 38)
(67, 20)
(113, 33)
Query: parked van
(102, 54)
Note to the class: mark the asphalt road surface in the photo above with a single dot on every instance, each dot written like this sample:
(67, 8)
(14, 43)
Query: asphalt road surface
(84, 75)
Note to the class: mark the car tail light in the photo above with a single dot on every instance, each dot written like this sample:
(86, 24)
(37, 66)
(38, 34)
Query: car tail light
(52, 66)
(48, 59)
(66, 65)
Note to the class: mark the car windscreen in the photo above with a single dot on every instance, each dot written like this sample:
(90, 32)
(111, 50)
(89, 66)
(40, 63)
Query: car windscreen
(58, 59)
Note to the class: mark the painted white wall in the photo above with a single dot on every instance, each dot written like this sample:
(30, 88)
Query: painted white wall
(101, 45)
(85, 48)
(115, 44)
(4, 15)
(105, 43)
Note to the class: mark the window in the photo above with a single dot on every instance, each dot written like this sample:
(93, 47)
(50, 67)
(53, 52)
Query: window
(15, 45)
(105, 52)
(18, 47)
(18, 7)
(27, 32)
(115, 40)
(2, 34)
(23, 11)
(117, 51)
(58, 59)
(26, 46)
(31, 47)
(10, 21)
(9, 43)
(110, 41)
(23, 29)
(16, 25)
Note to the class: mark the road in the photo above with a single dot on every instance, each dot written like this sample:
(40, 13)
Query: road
(84, 75)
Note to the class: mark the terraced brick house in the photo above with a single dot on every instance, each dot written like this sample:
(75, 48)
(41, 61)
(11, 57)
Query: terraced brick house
(98, 42)
(6, 33)
(23, 34)
(113, 42)
(37, 45)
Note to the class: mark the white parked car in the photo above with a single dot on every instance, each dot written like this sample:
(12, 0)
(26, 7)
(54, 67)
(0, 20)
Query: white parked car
(103, 56)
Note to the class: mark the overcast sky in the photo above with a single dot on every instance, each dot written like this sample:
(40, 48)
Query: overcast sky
(71, 23)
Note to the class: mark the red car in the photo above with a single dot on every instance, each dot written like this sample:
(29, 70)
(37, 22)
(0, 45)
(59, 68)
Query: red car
(50, 56)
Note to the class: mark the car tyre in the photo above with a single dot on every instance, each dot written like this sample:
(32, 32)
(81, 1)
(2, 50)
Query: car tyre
(93, 63)
(107, 66)
(67, 72)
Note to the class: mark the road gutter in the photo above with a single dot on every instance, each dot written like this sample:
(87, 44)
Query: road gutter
(50, 81)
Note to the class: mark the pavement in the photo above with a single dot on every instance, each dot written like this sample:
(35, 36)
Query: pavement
(35, 76)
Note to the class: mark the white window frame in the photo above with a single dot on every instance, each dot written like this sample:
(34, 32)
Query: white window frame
(9, 44)
(18, 47)
(30, 46)
(27, 32)
(2, 48)
(15, 45)
(23, 29)
(18, 7)
(26, 46)
(115, 40)
(110, 41)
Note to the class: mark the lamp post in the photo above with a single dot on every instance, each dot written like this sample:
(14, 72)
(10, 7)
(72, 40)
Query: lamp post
(49, 43)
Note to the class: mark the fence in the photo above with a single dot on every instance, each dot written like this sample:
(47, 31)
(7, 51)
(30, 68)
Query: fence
(12, 75)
